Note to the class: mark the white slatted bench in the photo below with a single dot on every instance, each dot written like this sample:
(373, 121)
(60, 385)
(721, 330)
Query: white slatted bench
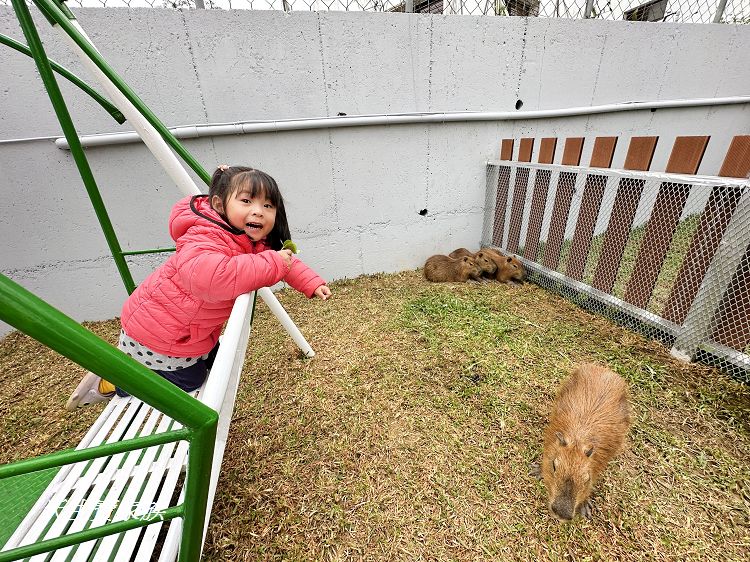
(144, 482)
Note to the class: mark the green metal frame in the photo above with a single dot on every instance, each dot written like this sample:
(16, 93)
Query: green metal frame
(31, 315)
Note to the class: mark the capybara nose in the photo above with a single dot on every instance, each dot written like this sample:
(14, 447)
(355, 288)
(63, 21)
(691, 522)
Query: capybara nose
(562, 512)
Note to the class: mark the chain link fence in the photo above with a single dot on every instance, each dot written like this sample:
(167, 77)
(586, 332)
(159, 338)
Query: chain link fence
(667, 255)
(686, 11)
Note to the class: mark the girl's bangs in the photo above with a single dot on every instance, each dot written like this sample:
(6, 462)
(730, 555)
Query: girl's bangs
(256, 185)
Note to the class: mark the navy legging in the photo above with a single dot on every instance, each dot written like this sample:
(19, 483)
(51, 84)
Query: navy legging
(189, 378)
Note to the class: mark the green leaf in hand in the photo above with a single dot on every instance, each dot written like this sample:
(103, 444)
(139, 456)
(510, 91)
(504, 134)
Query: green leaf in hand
(289, 245)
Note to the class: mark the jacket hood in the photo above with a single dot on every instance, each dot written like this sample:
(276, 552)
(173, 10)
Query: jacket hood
(196, 210)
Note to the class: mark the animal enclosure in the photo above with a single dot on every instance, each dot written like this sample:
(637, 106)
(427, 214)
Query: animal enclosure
(665, 253)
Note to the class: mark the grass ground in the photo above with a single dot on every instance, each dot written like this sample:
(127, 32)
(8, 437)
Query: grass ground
(410, 434)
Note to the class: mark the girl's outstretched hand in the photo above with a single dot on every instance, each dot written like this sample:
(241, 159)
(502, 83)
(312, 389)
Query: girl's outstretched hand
(286, 255)
(322, 292)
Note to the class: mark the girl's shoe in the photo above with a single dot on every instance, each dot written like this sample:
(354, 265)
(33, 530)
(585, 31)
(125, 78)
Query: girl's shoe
(87, 392)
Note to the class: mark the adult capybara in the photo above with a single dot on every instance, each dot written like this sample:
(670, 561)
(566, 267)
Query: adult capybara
(481, 258)
(509, 268)
(588, 424)
(441, 268)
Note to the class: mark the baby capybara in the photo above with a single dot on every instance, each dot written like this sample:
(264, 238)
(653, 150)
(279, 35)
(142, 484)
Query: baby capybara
(481, 258)
(441, 268)
(588, 424)
(509, 268)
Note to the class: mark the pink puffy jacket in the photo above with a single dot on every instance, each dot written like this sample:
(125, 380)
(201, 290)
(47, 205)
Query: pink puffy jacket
(181, 307)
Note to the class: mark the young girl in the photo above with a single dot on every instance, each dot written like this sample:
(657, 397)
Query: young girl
(227, 243)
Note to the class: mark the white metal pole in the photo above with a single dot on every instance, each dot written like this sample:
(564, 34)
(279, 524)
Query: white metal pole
(273, 303)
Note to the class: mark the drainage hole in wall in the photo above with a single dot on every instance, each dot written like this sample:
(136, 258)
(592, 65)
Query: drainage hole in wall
(519, 104)
(423, 212)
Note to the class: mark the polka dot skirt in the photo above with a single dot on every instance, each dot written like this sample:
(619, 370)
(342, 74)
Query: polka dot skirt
(151, 359)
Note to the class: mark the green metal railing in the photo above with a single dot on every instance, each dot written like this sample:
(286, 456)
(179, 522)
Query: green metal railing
(62, 71)
(31, 315)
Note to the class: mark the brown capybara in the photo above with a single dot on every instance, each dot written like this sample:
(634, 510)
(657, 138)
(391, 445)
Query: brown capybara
(484, 261)
(509, 268)
(441, 268)
(588, 424)
(460, 253)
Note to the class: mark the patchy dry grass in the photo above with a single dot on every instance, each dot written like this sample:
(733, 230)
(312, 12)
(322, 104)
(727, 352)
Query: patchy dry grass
(409, 435)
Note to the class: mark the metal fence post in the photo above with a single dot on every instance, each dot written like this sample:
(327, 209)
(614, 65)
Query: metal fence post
(720, 11)
(589, 8)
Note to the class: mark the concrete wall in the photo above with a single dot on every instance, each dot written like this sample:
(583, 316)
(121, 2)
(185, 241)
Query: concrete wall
(353, 194)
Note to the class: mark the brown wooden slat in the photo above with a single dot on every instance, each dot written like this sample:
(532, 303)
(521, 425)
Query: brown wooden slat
(711, 226)
(604, 150)
(732, 326)
(687, 154)
(737, 161)
(525, 149)
(593, 191)
(506, 149)
(539, 199)
(640, 153)
(547, 150)
(639, 156)
(516, 211)
(501, 205)
(656, 240)
(565, 190)
(536, 214)
(572, 151)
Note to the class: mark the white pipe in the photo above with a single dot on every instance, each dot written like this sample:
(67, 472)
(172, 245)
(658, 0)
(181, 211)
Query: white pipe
(248, 127)
(146, 131)
(273, 303)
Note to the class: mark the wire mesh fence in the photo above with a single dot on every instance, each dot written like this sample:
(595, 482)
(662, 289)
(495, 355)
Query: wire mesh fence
(667, 255)
(686, 11)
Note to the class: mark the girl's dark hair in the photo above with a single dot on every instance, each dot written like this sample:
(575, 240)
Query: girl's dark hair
(227, 181)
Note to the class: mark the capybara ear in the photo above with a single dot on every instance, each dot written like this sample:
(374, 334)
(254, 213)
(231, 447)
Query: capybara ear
(510, 259)
(466, 258)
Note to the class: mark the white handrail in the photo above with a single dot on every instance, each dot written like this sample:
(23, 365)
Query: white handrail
(275, 126)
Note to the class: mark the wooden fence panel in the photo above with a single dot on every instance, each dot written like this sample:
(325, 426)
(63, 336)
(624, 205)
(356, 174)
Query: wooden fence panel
(593, 191)
(711, 226)
(501, 197)
(561, 207)
(525, 149)
(640, 153)
(732, 324)
(685, 158)
(539, 199)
